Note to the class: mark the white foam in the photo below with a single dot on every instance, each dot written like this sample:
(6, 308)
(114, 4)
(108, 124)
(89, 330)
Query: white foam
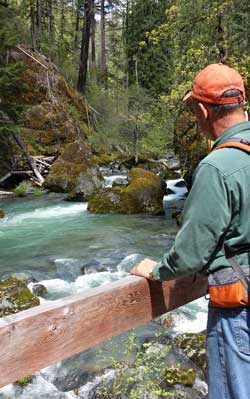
(49, 212)
(109, 180)
(185, 324)
(60, 288)
(179, 192)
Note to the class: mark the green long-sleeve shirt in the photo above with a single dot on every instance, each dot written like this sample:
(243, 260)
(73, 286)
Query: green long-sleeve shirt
(217, 210)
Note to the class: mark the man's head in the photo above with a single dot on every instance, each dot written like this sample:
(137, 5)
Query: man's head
(217, 96)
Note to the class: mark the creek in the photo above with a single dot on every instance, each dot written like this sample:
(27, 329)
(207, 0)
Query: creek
(53, 241)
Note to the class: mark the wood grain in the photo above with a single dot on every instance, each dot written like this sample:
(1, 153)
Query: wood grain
(40, 336)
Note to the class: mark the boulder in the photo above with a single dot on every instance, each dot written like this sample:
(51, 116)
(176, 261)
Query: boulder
(1, 214)
(180, 184)
(144, 194)
(194, 347)
(92, 266)
(15, 296)
(39, 290)
(169, 174)
(74, 172)
(119, 182)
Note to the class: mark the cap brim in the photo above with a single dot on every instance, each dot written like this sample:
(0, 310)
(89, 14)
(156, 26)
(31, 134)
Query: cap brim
(187, 96)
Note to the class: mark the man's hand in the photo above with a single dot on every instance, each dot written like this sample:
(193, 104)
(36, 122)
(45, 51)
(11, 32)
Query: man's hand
(144, 268)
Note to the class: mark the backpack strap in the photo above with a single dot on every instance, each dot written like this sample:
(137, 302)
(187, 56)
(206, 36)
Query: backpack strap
(235, 142)
(238, 270)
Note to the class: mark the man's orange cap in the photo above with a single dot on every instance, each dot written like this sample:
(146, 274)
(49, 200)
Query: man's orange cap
(209, 85)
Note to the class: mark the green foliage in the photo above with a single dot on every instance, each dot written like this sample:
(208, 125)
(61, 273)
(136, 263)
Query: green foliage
(25, 380)
(10, 28)
(21, 189)
(147, 376)
(10, 79)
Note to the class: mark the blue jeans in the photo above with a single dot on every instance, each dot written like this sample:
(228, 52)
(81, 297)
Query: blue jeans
(228, 353)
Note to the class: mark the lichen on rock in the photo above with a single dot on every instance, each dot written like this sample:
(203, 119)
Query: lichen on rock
(194, 347)
(15, 296)
(143, 194)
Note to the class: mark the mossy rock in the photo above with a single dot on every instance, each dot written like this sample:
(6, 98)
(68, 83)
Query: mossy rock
(75, 172)
(194, 347)
(1, 214)
(175, 375)
(144, 194)
(169, 174)
(47, 111)
(15, 296)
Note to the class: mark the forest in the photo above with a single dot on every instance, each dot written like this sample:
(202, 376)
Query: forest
(97, 151)
(133, 60)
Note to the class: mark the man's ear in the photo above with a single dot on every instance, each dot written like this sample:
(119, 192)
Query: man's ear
(203, 110)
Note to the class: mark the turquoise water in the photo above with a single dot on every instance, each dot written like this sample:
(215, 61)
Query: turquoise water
(51, 239)
(37, 232)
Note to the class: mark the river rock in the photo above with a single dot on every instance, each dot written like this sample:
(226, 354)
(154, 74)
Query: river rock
(144, 194)
(39, 290)
(92, 266)
(1, 214)
(169, 174)
(119, 182)
(15, 296)
(194, 347)
(25, 276)
(180, 184)
(75, 172)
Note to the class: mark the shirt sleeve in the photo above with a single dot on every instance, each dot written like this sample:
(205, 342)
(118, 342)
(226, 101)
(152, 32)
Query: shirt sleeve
(206, 217)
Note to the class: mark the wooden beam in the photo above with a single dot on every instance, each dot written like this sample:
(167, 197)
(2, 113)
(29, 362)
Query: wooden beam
(40, 336)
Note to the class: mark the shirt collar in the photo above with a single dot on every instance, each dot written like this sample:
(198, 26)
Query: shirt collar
(231, 131)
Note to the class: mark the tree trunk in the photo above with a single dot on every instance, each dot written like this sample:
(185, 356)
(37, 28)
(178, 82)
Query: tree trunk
(32, 25)
(50, 25)
(77, 25)
(103, 68)
(82, 76)
(39, 22)
(62, 22)
(93, 52)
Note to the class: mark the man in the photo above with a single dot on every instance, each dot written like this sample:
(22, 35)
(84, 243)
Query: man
(216, 226)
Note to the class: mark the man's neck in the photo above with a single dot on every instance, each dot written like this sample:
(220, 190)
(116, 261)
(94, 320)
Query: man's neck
(220, 125)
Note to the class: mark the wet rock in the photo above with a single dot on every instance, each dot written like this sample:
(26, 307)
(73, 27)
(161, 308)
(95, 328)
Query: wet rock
(1, 214)
(169, 174)
(144, 194)
(66, 380)
(93, 266)
(119, 182)
(180, 184)
(75, 172)
(169, 191)
(15, 296)
(194, 347)
(25, 276)
(177, 216)
(39, 290)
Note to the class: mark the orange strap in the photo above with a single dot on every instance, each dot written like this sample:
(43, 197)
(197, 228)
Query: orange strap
(233, 144)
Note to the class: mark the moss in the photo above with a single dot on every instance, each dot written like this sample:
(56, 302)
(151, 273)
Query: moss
(25, 380)
(106, 201)
(169, 174)
(15, 296)
(175, 375)
(194, 347)
(1, 214)
(144, 194)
